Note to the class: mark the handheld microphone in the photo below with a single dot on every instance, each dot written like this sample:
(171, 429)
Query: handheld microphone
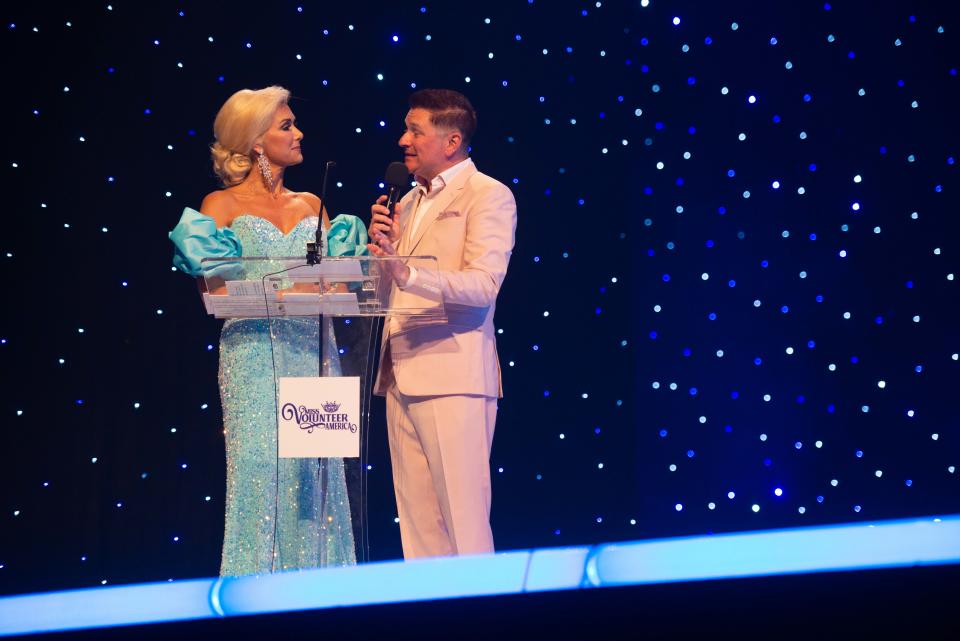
(395, 178)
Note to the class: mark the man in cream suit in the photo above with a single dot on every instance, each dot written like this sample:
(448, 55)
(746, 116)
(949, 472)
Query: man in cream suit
(442, 380)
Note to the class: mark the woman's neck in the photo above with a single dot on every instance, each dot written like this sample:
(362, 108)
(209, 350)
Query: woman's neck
(256, 185)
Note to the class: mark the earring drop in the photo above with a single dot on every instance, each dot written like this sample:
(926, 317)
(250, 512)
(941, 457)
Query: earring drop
(265, 171)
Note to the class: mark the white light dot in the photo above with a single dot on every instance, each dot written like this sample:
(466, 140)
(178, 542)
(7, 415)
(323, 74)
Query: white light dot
(755, 507)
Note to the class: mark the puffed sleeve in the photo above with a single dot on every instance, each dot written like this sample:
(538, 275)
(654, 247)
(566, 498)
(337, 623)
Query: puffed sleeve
(196, 237)
(347, 236)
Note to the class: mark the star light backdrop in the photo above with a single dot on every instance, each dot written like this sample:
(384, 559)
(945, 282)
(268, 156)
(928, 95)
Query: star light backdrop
(732, 304)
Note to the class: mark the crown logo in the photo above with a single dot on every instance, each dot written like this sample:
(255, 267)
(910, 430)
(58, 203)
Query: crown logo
(331, 407)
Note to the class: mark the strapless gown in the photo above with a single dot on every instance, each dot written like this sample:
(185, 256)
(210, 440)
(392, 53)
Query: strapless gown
(280, 514)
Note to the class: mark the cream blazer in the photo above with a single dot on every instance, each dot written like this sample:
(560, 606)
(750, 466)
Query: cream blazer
(470, 229)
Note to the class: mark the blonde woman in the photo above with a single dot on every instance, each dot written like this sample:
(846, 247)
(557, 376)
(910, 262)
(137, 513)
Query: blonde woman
(291, 513)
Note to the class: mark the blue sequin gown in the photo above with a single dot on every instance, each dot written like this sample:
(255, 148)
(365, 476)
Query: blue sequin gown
(295, 513)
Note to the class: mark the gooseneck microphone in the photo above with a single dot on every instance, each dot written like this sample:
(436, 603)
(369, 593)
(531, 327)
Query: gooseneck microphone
(315, 249)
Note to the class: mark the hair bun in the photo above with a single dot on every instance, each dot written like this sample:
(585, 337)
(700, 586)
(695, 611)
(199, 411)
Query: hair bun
(231, 167)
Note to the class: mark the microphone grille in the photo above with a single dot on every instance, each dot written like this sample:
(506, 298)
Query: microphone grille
(396, 174)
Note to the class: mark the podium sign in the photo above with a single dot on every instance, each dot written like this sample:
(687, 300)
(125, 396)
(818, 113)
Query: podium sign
(319, 416)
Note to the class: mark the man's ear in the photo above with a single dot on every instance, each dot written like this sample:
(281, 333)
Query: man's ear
(454, 141)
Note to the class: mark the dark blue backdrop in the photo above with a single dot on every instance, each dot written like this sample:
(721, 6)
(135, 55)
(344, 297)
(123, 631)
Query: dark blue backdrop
(732, 305)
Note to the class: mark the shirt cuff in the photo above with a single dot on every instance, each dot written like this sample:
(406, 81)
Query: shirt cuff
(412, 279)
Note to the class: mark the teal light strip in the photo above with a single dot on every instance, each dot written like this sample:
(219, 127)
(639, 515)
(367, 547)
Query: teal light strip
(861, 546)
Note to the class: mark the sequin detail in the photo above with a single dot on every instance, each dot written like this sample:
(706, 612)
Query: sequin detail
(295, 514)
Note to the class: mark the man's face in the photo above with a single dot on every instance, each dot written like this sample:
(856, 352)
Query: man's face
(427, 151)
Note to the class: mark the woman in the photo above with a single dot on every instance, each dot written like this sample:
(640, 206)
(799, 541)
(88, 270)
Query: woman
(309, 524)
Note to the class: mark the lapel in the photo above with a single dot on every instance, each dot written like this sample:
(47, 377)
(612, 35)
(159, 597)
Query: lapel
(440, 205)
(406, 217)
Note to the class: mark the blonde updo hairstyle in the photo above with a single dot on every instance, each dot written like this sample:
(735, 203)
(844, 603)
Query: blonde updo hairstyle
(242, 119)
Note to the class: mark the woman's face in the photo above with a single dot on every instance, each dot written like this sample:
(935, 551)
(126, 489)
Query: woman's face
(281, 143)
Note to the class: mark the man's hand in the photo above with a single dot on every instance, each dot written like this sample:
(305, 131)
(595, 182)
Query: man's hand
(384, 222)
(395, 268)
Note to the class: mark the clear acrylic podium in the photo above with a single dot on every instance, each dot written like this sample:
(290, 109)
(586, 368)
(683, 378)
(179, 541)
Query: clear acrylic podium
(322, 320)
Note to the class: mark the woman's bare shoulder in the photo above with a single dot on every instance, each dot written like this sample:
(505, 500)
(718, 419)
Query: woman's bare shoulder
(311, 199)
(221, 205)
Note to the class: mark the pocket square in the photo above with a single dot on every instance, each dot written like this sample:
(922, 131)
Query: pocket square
(450, 213)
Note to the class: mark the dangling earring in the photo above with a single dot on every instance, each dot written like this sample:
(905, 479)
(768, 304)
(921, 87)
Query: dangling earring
(265, 171)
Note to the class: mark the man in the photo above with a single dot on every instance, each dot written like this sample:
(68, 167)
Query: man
(442, 380)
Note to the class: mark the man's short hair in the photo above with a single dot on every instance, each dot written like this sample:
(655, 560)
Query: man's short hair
(448, 109)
